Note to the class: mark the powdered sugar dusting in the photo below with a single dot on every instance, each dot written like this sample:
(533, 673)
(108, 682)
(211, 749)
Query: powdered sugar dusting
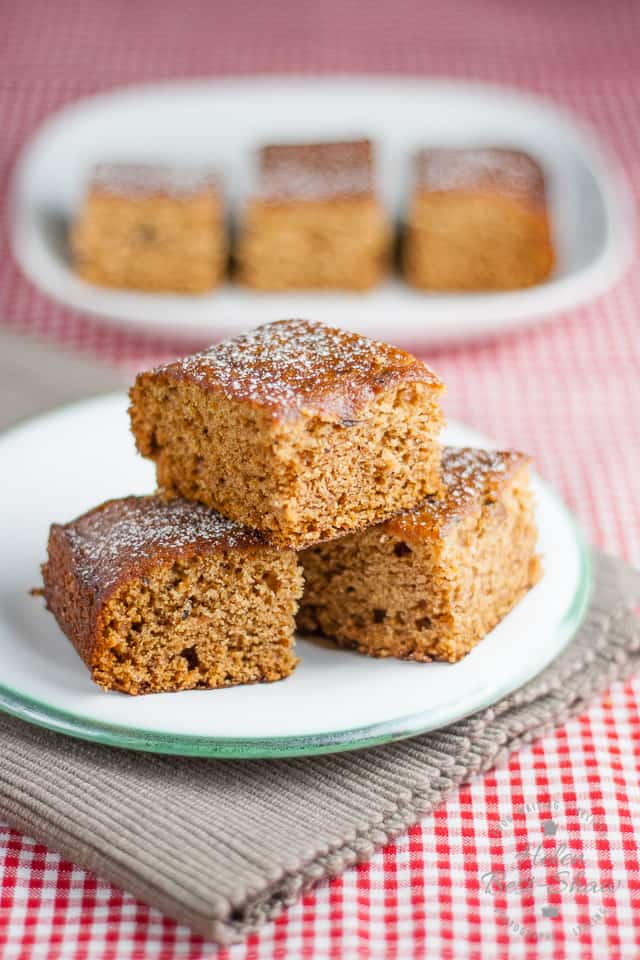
(138, 179)
(500, 169)
(469, 477)
(294, 366)
(316, 171)
(122, 535)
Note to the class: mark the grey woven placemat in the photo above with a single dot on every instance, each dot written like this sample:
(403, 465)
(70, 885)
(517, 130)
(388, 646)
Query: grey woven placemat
(35, 376)
(224, 845)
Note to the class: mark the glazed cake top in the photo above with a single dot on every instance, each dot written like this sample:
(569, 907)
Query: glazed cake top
(295, 367)
(471, 479)
(492, 169)
(147, 180)
(123, 539)
(316, 171)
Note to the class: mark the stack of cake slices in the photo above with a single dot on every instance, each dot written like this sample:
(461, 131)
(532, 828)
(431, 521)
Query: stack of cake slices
(301, 482)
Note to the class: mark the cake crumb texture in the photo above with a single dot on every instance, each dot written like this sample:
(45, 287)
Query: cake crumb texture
(295, 429)
(478, 220)
(162, 596)
(315, 220)
(429, 584)
(151, 228)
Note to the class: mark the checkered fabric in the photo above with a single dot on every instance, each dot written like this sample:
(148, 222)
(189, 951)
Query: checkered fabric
(536, 860)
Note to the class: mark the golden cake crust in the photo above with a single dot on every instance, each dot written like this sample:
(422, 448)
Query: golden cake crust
(470, 478)
(139, 180)
(430, 583)
(125, 538)
(295, 367)
(316, 171)
(488, 170)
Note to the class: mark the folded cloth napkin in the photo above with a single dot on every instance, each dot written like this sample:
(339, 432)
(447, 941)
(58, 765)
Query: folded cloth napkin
(224, 845)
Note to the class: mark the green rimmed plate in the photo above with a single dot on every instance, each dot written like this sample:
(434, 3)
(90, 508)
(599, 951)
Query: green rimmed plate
(59, 465)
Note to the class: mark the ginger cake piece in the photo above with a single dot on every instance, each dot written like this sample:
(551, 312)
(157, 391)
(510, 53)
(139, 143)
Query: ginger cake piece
(315, 220)
(430, 583)
(478, 220)
(298, 430)
(159, 596)
(151, 228)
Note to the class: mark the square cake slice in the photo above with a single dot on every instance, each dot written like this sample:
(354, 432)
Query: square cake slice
(430, 583)
(298, 430)
(160, 596)
(151, 228)
(315, 220)
(477, 221)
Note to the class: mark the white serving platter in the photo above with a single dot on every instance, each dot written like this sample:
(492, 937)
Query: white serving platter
(219, 123)
(335, 700)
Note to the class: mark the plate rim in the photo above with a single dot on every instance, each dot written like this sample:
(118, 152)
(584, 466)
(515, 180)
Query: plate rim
(502, 314)
(58, 720)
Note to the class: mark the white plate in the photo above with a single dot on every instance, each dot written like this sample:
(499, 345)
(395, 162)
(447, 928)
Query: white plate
(335, 700)
(220, 123)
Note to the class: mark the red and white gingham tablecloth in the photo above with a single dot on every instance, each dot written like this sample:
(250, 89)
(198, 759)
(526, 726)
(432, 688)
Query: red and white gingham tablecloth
(480, 878)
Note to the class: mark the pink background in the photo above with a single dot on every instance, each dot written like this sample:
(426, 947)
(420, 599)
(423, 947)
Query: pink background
(569, 393)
